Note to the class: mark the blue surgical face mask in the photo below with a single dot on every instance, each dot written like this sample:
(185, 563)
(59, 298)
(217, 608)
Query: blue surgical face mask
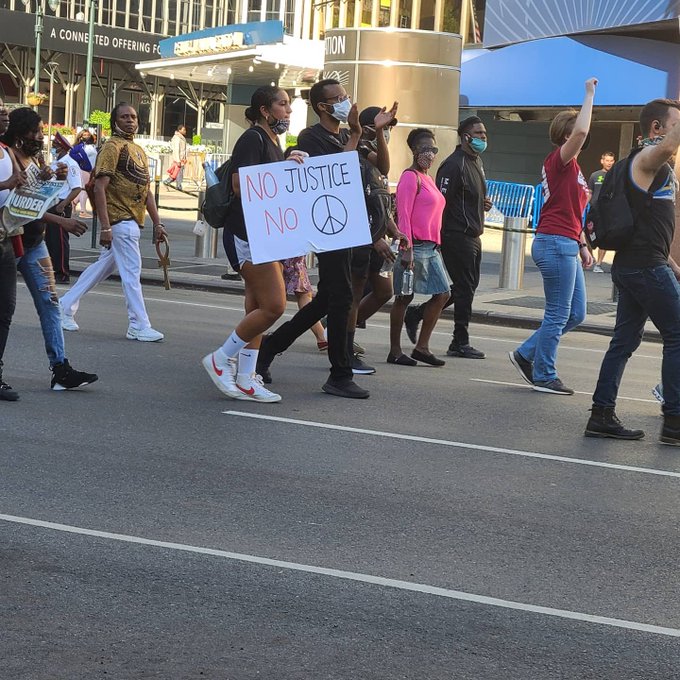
(341, 110)
(477, 145)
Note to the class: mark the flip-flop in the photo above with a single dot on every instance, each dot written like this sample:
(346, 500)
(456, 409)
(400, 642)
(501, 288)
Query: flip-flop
(401, 360)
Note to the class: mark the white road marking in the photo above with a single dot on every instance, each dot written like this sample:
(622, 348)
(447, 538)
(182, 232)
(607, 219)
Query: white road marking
(354, 576)
(528, 387)
(457, 445)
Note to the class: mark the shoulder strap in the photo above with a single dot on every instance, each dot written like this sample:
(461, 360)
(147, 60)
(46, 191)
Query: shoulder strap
(418, 180)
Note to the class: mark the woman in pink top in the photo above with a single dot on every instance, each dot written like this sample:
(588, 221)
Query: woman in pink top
(556, 248)
(419, 209)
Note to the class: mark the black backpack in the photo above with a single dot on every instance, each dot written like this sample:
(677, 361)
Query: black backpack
(219, 198)
(378, 198)
(610, 223)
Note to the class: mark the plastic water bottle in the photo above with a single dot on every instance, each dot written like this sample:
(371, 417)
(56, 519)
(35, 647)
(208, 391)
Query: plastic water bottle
(210, 177)
(388, 265)
(407, 282)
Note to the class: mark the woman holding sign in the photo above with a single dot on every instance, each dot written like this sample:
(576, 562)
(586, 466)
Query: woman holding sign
(232, 366)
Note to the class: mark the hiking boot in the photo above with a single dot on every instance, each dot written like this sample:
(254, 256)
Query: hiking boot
(7, 393)
(603, 422)
(348, 389)
(524, 367)
(359, 367)
(555, 386)
(670, 433)
(64, 377)
(464, 351)
(412, 319)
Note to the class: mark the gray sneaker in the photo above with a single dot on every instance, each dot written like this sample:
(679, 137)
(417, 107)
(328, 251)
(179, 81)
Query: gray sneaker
(555, 386)
(658, 393)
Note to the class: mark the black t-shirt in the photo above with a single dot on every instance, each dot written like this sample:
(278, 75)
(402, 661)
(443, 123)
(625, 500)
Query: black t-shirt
(253, 147)
(34, 234)
(317, 141)
(595, 184)
(654, 222)
(461, 179)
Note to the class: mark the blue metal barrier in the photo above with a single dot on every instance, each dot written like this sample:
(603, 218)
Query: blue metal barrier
(509, 200)
(538, 204)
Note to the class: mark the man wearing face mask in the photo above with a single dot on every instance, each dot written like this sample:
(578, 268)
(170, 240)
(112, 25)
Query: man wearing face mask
(330, 102)
(462, 181)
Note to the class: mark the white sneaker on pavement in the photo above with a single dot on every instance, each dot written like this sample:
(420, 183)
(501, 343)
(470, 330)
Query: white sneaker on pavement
(68, 323)
(597, 269)
(145, 335)
(222, 372)
(253, 389)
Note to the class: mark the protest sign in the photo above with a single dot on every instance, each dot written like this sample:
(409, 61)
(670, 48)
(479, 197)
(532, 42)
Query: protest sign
(30, 201)
(292, 209)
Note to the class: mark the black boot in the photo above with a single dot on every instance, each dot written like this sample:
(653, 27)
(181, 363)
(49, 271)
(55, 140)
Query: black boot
(603, 422)
(264, 361)
(670, 433)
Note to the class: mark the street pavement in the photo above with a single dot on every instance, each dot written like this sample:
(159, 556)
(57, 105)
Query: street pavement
(456, 525)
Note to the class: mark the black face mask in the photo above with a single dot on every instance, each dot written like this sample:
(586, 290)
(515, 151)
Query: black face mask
(31, 147)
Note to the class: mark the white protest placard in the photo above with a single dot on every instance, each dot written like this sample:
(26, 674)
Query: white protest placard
(30, 201)
(292, 209)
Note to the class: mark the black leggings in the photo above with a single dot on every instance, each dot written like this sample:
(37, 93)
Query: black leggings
(8, 292)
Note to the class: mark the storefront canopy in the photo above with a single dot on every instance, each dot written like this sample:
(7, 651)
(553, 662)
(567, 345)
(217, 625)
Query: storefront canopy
(244, 54)
(551, 73)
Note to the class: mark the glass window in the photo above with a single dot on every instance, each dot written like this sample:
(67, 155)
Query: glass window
(254, 10)
(289, 17)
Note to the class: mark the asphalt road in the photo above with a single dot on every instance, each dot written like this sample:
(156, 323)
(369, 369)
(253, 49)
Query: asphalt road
(464, 529)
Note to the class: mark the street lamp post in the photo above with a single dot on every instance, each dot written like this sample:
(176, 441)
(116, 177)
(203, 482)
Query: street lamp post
(39, 14)
(90, 55)
(52, 66)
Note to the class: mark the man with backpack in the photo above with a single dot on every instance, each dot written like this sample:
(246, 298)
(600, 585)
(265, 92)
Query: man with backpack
(332, 105)
(635, 215)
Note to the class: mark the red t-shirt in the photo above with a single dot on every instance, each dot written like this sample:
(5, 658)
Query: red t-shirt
(565, 195)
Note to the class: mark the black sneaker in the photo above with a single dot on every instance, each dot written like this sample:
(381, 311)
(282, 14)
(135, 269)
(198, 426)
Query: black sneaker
(359, 367)
(411, 321)
(264, 361)
(555, 386)
(64, 377)
(231, 276)
(7, 393)
(464, 351)
(348, 389)
(524, 367)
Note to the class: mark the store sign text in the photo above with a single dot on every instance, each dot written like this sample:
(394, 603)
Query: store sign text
(70, 35)
(211, 45)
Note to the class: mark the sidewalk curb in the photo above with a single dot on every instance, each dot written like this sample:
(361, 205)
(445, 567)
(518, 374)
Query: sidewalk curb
(488, 318)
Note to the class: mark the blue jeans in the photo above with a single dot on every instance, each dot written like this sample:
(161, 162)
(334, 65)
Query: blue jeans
(565, 301)
(36, 268)
(654, 293)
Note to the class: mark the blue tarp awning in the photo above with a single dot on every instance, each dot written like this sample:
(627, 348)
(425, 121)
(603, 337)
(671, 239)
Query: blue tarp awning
(551, 72)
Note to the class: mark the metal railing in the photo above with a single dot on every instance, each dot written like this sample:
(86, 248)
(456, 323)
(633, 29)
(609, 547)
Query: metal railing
(509, 200)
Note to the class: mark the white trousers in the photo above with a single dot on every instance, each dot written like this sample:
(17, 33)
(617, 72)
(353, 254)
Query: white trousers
(124, 254)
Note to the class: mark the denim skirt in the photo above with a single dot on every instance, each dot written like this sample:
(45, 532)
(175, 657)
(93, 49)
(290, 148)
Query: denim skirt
(429, 272)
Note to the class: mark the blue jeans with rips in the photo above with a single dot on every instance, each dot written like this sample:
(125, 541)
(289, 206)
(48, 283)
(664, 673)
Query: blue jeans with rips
(644, 293)
(565, 301)
(36, 268)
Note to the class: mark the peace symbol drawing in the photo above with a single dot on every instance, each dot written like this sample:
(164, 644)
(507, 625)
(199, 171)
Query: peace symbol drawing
(329, 215)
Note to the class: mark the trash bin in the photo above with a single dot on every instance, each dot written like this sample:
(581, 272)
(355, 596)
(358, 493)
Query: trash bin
(206, 243)
(512, 252)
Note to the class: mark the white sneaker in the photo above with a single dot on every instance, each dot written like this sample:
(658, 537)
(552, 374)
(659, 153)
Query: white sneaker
(68, 323)
(222, 372)
(597, 269)
(145, 335)
(253, 389)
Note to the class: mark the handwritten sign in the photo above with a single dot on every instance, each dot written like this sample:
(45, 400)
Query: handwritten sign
(292, 209)
(30, 201)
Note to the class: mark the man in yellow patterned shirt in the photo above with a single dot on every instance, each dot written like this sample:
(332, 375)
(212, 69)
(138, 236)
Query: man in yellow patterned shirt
(122, 199)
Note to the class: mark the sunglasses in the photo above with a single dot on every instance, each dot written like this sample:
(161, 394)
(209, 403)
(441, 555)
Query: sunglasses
(428, 149)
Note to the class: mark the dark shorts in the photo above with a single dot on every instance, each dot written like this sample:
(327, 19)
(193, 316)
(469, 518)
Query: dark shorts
(366, 260)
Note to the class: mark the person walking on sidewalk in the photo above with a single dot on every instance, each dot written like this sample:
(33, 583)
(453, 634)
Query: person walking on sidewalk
(646, 277)
(232, 367)
(595, 184)
(25, 136)
(56, 238)
(333, 299)
(179, 155)
(419, 210)
(85, 139)
(461, 179)
(122, 198)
